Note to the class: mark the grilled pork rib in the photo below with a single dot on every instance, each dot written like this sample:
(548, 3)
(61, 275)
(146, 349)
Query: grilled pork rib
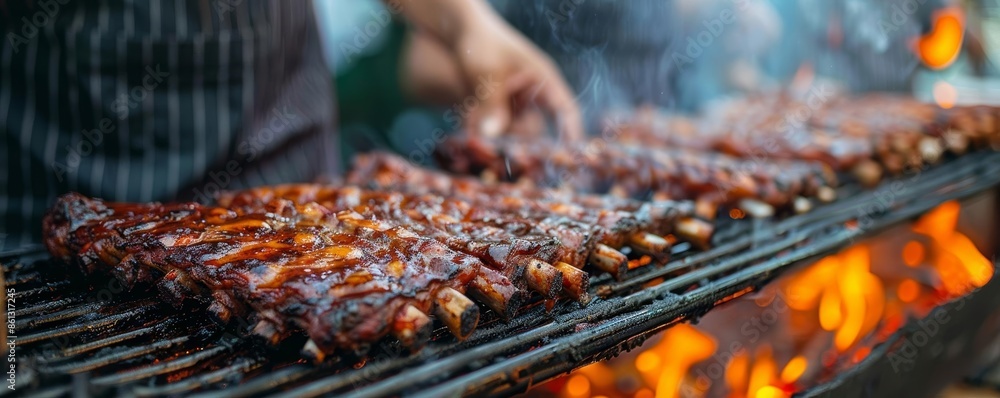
(526, 254)
(641, 172)
(590, 224)
(869, 136)
(341, 280)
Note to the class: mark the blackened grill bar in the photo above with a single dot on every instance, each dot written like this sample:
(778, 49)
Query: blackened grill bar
(498, 358)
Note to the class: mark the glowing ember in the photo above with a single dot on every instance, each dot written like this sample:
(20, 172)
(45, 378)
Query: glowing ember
(813, 323)
(578, 386)
(908, 291)
(913, 253)
(736, 214)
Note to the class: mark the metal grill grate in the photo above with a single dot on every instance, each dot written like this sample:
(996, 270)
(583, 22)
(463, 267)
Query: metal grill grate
(80, 334)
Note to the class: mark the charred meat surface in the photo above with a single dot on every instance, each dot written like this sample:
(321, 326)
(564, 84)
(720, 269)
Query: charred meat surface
(288, 268)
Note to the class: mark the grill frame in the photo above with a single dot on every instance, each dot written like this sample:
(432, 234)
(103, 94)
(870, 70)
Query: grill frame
(498, 358)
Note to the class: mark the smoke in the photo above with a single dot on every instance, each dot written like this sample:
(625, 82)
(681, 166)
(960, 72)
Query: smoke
(681, 54)
(612, 53)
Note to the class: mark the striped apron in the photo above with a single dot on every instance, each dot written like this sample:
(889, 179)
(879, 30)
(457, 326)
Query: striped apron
(157, 100)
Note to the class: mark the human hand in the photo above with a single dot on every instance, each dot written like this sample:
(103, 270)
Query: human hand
(525, 79)
(510, 79)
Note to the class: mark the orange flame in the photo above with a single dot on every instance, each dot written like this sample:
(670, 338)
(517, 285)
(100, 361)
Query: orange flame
(940, 47)
(737, 370)
(759, 377)
(960, 265)
(763, 371)
(850, 299)
(803, 290)
(794, 369)
(684, 346)
(841, 302)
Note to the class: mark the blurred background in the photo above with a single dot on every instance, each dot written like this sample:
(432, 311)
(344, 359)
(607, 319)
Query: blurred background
(677, 54)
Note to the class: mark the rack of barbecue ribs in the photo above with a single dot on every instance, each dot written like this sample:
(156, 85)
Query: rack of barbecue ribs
(979, 125)
(916, 132)
(548, 239)
(342, 279)
(868, 136)
(514, 246)
(755, 138)
(601, 224)
(643, 172)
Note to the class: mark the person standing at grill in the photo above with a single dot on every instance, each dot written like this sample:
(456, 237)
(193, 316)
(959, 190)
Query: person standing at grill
(164, 100)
